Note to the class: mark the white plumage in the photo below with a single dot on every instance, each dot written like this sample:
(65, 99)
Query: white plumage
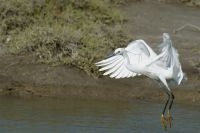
(139, 59)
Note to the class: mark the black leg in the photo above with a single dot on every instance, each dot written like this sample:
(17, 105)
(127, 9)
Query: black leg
(163, 119)
(170, 106)
(166, 103)
(169, 117)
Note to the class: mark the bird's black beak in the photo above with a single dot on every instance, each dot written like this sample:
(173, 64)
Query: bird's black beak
(110, 55)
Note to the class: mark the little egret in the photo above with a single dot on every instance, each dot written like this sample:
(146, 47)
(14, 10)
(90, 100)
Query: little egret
(139, 59)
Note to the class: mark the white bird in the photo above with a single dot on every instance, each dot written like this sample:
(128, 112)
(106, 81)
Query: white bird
(139, 59)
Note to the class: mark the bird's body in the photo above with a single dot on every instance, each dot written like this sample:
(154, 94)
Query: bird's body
(139, 59)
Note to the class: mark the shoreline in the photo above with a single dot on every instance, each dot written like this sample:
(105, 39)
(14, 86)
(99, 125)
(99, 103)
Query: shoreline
(21, 77)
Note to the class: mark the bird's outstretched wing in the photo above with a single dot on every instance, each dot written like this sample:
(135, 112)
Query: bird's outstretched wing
(170, 59)
(138, 53)
(115, 66)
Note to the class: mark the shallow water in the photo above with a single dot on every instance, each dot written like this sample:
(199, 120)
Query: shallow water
(18, 115)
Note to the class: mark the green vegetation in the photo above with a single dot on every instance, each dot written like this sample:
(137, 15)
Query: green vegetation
(72, 32)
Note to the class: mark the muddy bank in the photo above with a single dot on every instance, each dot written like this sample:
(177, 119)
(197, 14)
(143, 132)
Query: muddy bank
(21, 76)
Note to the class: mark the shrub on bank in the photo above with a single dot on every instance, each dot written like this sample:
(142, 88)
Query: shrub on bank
(72, 32)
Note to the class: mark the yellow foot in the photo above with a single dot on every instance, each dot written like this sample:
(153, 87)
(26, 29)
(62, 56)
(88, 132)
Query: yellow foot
(169, 119)
(164, 121)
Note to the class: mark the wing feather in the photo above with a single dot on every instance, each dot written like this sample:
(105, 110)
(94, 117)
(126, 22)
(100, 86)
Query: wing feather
(133, 74)
(117, 72)
(125, 73)
(170, 58)
(121, 72)
(129, 75)
(111, 65)
(107, 61)
(113, 69)
(138, 52)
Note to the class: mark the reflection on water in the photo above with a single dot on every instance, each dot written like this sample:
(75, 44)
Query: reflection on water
(43, 115)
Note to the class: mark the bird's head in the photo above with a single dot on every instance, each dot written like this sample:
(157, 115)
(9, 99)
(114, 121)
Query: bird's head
(119, 51)
(166, 36)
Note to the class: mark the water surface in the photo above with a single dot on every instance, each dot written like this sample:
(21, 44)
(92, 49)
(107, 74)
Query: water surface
(44, 115)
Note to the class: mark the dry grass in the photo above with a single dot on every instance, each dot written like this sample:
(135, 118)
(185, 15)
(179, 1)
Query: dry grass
(72, 32)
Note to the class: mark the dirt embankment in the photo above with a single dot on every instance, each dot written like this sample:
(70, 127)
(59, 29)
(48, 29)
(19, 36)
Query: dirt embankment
(21, 76)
